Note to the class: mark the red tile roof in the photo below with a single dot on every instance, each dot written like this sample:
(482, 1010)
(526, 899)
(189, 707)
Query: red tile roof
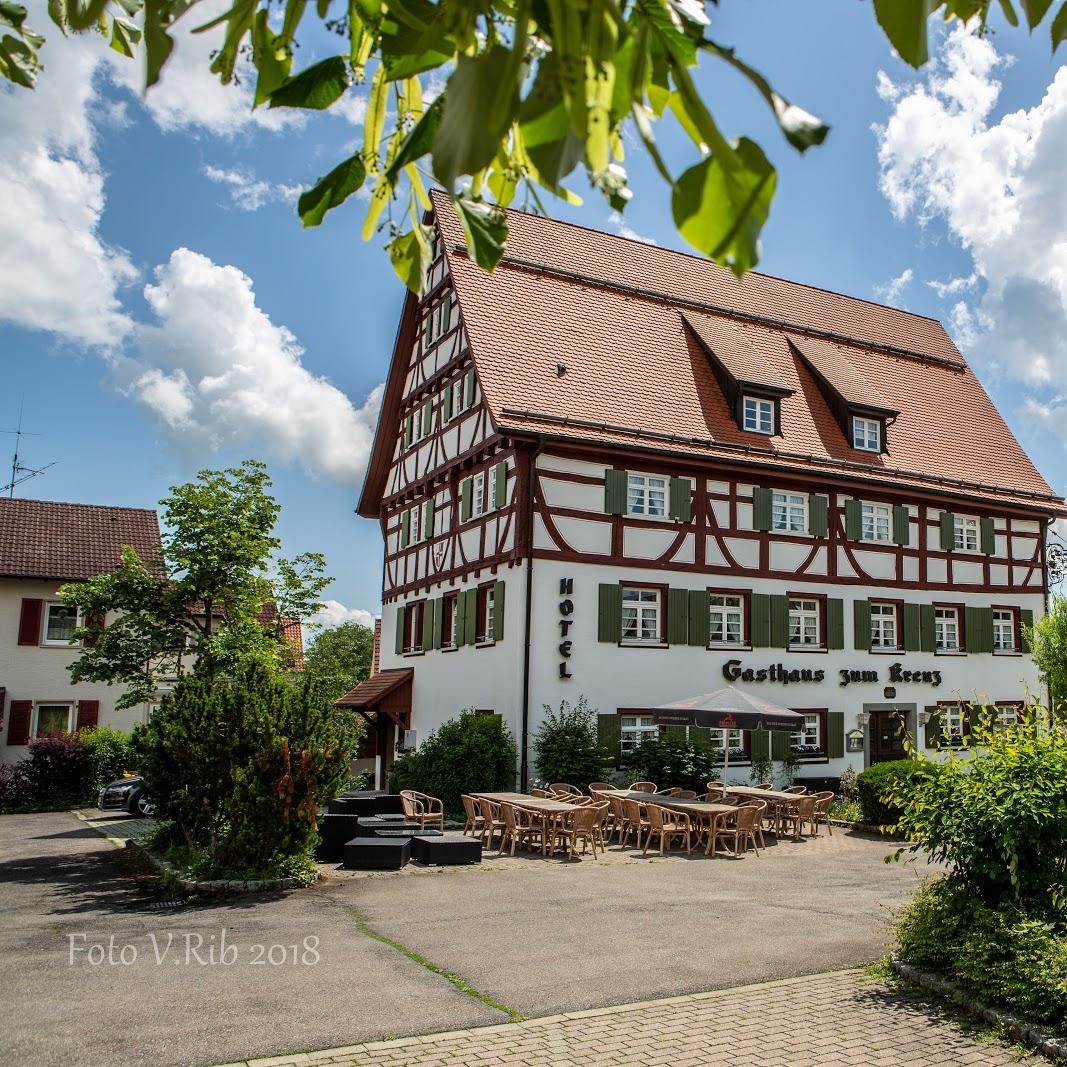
(829, 362)
(727, 342)
(71, 542)
(611, 311)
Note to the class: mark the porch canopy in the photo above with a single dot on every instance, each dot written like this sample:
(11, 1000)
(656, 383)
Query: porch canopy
(387, 692)
(728, 709)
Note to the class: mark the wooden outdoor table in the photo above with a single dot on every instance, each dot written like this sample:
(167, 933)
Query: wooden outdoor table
(542, 805)
(774, 797)
(697, 807)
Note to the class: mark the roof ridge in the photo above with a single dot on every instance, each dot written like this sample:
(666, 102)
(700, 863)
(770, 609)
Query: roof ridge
(75, 504)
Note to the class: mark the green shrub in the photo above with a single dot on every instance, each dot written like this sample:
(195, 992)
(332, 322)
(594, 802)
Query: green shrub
(474, 753)
(110, 755)
(55, 773)
(675, 761)
(566, 747)
(241, 766)
(876, 785)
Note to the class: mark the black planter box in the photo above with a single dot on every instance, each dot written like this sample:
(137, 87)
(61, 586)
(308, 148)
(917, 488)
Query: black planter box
(374, 824)
(377, 853)
(335, 830)
(368, 804)
(446, 851)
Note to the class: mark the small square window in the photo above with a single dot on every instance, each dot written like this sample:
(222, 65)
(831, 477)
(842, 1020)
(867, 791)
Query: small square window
(789, 512)
(1004, 630)
(646, 494)
(885, 633)
(804, 624)
(953, 721)
(757, 414)
(53, 719)
(808, 739)
(965, 533)
(721, 739)
(457, 398)
(726, 620)
(866, 434)
(641, 615)
(634, 729)
(478, 494)
(60, 623)
(876, 522)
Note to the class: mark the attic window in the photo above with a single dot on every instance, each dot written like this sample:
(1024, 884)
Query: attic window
(758, 414)
(866, 434)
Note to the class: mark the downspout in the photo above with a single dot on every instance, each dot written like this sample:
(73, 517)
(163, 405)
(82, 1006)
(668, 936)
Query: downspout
(524, 763)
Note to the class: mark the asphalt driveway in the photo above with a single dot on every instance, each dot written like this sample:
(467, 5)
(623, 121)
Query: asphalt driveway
(210, 984)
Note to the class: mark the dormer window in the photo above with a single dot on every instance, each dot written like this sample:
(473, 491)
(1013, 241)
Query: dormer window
(866, 434)
(758, 414)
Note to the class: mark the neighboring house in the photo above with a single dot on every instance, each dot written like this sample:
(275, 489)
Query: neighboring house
(42, 546)
(682, 479)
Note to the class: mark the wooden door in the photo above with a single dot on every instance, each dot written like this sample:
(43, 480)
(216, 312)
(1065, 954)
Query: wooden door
(887, 736)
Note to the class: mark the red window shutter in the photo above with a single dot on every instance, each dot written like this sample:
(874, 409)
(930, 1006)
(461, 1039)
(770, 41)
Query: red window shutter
(88, 714)
(93, 622)
(30, 621)
(18, 731)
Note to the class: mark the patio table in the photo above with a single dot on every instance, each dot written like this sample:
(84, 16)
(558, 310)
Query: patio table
(695, 807)
(542, 805)
(775, 798)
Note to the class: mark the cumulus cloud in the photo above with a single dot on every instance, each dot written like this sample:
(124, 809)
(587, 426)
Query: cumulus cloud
(623, 230)
(59, 274)
(890, 292)
(216, 367)
(249, 193)
(997, 185)
(333, 613)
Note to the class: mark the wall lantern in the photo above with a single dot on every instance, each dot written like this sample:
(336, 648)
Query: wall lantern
(924, 717)
(863, 718)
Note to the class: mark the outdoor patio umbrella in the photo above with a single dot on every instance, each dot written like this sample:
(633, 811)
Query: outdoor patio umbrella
(728, 709)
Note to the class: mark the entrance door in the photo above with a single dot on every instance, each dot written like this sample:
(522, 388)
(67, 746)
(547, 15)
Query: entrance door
(887, 735)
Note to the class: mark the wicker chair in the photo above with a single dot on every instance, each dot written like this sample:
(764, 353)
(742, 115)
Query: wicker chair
(616, 816)
(422, 808)
(636, 821)
(740, 828)
(765, 785)
(520, 825)
(564, 787)
(474, 819)
(603, 812)
(670, 791)
(642, 787)
(823, 802)
(761, 816)
(492, 821)
(669, 825)
(685, 794)
(797, 813)
(577, 802)
(543, 793)
(715, 787)
(799, 790)
(579, 825)
(599, 787)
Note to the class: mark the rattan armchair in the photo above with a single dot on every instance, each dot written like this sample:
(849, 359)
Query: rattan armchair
(543, 793)
(685, 794)
(492, 821)
(800, 790)
(670, 791)
(642, 787)
(765, 785)
(564, 787)
(422, 808)
(603, 812)
(636, 821)
(599, 787)
(474, 822)
(797, 813)
(823, 803)
(520, 825)
(740, 827)
(668, 825)
(616, 815)
(579, 825)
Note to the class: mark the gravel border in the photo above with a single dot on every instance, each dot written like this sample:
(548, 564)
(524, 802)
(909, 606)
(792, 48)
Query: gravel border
(214, 886)
(1055, 1048)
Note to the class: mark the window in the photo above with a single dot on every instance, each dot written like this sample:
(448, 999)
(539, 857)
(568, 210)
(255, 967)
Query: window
(640, 615)
(635, 728)
(449, 620)
(946, 630)
(416, 524)
(720, 739)
(804, 624)
(808, 739)
(952, 723)
(1004, 630)
(757, 414)
(884, 629)
(726, 624)
(436, 322)
(457, 397)
(789, 512)
(60, 622)
(1005, 715)
(965, 530)
(478, 497)
(486, 612)
(413, 619)
(53, 719)
(875, 522)
(646, 495)
(866, 434)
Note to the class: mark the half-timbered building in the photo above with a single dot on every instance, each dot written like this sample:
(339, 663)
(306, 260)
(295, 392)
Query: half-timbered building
(613, 470)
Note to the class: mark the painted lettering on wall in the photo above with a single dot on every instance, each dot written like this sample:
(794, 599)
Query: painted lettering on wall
(733, 670)
(566, 610)
(897, 673)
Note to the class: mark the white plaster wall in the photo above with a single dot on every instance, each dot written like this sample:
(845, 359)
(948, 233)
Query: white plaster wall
(788, 556)
(877, 564)
(744, 551)
(565, 494)
(966, 572)
(583, 535)
(644, 542)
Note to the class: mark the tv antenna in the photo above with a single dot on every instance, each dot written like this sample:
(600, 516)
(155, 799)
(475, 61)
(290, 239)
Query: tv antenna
(20, 473)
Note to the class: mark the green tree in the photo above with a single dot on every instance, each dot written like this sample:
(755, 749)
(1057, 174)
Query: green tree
(566, 747)
(533, 92)
(217, 599)
(1048, 645)
(339, 659)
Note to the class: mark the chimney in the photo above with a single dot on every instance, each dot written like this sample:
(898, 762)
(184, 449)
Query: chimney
(376, 654)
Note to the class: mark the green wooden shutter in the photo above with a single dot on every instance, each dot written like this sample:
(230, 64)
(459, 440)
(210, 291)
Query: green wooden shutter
(780, 742)
(609, 736)
(677, 616)
(498, 611)
(427, 624)
(400, 629)
(861, 611)
(835, 734)
(409, 430)
(1026, 618)
(446, 402)
(700, 734)
(405, 529)
(675, 731)
(779, 621)
(901, 525)
(466, 499)
(759, 745)
(948, 531)
(818, 515)
(470, 617)
(927, 630)
(500, 483)
(761, 620)
(681, 506)
(468, 389)
(973, 714)
(699, 630)
(913, 641)
(439, 622)
(989, 540)
(761, 508)
(427, 520)
(609, 622)
(459, 637)
(427, 416)
(615, 491)
(978, 630)
(932, 730)
(853, 520)
(835, 623)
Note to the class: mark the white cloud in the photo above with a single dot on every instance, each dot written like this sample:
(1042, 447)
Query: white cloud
(351, 107)
(954, 285)
(216, 369)
(997, 185)
(623, 230)
(890, 292)
(58, 273)
(333, 613)
(248, 192)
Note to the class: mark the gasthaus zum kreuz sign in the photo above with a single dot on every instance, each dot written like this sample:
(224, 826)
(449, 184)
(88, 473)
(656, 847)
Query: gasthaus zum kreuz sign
(734, 670)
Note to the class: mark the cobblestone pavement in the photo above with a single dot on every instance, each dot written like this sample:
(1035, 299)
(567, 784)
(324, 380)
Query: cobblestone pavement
(841, 1018)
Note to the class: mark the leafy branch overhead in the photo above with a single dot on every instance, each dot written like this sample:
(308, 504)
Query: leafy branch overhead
(533, 91)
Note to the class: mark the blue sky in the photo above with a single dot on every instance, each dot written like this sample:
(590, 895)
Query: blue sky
(163, 310)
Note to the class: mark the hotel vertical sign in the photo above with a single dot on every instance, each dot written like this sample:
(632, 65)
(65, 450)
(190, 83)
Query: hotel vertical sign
(566, 610)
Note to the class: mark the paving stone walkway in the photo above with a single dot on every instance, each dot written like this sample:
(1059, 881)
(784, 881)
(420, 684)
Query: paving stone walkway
(841, 1018)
